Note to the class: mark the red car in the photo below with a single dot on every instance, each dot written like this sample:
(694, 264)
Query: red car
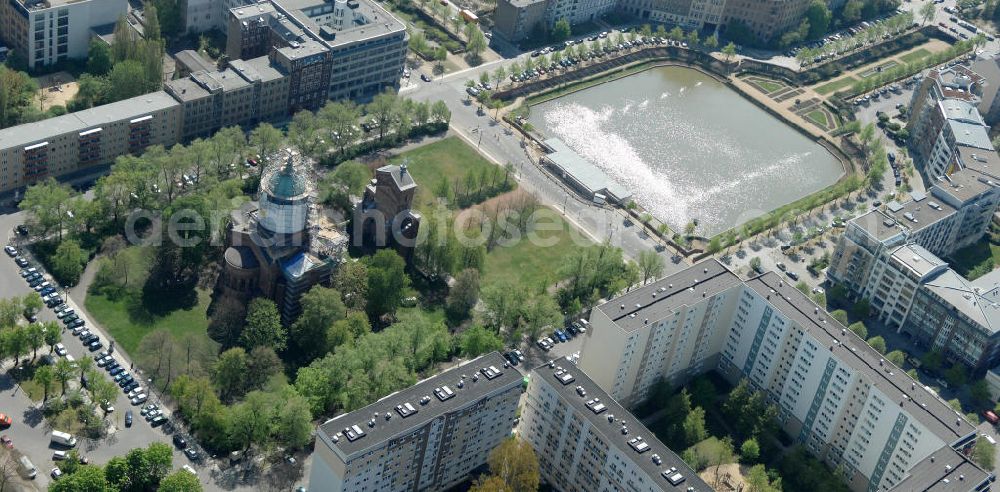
(5, 420)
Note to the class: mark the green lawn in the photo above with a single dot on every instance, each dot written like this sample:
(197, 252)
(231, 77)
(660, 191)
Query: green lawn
(531, 262)
(916, 55)
(976, 260)
(874, 70)
(835, 85)
(768, 85)
(818, 117)
(448, 159)
(128, 322)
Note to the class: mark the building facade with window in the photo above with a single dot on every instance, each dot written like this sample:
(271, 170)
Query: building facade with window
(835, 394)
(44, 32)
(585, 440)
(80, 142)
(429, 436)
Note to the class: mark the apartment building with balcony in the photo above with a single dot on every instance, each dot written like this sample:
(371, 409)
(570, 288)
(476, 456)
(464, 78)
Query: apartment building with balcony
(84, 141)
(429, 436)
(44, 32)
(835, 394)
(585, 440)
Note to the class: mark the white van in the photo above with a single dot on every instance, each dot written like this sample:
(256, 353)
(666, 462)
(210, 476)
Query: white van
(27, 469)
(63, 438)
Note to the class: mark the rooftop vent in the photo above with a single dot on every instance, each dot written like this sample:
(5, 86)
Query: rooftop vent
(596, 406)
(405, 410)
(491, 372)
(638, 444)
(673, 476)
(564, 377)
(443, 393)
(353, 433)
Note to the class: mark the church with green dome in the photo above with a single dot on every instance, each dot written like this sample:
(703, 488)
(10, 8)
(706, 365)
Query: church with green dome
(278, 247)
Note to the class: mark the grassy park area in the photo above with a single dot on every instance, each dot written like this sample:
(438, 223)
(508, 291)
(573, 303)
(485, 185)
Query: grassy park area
(834, 86)
(118, 316)
(448, 161)
(915, 55)
(532, 263)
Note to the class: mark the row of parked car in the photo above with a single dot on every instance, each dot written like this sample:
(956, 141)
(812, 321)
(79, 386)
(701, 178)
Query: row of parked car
(569, 61)
(563, 335)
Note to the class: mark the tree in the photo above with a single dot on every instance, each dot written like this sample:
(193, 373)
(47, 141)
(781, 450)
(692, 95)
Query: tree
(263, 327)
(841, 316)
(984, 454)
(151, 29)
(321, 308)
(250, 420)
(68, 261)
(712, 42)
(676, 34)
(694, 426)
(32, 303)
(758, 480)
(476, 43)
(46, 203)
(897, 357)
(818, 15)
(226, 322)
(730, 51)
(98, 58)
(266, 139)
(693, 38)
(478, 340)
(387, 281)
(749, 451)
(490, 483)
(463, 295)
(230, 374)
(499, 75)
(53, 334)
(64, 372)
(180, 481)
(17, 92)
(127, 79)
(927, 12)
(90, 478)
(561, 31)
(651, 264)
(45, 377)
(514, 462)
(980, 392)
(877, 343)
(858, 328)
(440, 55)
(351, 280)
(956, 375)
(294, 427)
(35, 334)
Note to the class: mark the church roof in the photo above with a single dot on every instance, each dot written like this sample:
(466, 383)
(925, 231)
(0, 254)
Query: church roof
(287, 183)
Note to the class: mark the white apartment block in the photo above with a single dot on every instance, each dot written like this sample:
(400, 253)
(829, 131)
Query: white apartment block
(577, 11)
(429, 436)
(835, 394)
(205, 15)
(47, 31)
(586, 441)
(79, 142)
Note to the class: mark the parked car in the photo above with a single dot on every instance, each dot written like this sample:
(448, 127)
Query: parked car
(21, 262)
(180, 442)
(128, 418)
(139, 399)
(158, 421)
(192, 454)
(10, 250)
(792, 275)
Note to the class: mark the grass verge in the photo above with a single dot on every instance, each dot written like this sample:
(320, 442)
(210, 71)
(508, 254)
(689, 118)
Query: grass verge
(834, 86)
(915, 55)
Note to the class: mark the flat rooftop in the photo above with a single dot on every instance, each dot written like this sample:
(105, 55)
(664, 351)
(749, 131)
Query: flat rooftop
(421, 403)
(918, 212)
(944, 471)
(607, 417)
(660, 299)
(917, 259)
(29, 133)
(878, 225)
(930, 411)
